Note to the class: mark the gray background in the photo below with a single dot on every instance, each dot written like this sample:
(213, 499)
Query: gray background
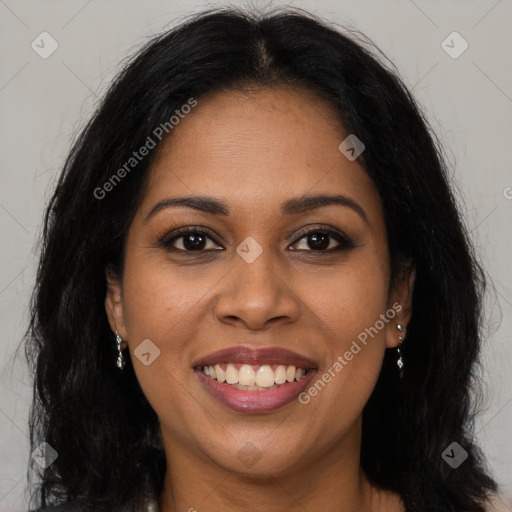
(43, 102)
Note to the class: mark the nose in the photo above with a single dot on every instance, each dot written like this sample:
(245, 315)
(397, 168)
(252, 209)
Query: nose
(257, 294)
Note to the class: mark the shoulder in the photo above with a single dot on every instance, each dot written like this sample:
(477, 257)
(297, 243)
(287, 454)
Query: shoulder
(499, 503)
(80, 506)
(64, 507)
(74, 506)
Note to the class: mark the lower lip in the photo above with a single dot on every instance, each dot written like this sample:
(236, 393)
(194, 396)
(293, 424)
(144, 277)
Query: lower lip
(255, 401)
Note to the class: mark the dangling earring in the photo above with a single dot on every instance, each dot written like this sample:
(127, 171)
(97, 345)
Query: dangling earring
(400, 361)
(120, 358)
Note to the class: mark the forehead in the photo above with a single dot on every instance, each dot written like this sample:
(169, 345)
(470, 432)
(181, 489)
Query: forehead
(258, 147)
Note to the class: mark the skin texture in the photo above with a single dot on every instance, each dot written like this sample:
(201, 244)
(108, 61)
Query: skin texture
(254, 150)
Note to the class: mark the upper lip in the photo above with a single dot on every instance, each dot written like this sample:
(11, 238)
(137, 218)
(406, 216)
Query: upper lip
(257, 356)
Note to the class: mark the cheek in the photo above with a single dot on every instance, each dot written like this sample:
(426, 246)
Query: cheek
(159, 301)
(162, 307)
(348, 300)
(167, 307)
(349, 308)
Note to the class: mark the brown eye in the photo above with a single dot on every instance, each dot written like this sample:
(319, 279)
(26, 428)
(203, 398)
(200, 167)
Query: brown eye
(318, 241)
(193, 242)
(323, 241)
(189, 240)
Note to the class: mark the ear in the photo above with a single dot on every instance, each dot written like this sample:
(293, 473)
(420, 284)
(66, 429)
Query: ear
(400, 301)
(114, 304)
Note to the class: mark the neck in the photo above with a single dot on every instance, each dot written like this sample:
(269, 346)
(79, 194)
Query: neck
(329, 481)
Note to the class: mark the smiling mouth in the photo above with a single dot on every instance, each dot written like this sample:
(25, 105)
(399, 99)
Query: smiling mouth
(250, 377)
(255, 380)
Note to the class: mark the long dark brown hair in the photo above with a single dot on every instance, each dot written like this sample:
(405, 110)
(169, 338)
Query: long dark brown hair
(110, 453)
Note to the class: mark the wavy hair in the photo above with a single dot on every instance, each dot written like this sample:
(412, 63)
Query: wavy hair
(110, 452)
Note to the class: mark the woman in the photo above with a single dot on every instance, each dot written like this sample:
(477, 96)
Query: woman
(256, 291)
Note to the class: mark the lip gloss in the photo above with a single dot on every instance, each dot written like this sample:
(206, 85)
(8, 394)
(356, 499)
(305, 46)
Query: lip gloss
(255, 401)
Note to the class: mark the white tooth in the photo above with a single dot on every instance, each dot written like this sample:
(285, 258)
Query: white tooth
(267, 389)
(290, 373)
(265, 376)
(246, 375)
(299, 373)
(247, 388)
(231, 374)
(212, 372)
(221, 374)
(280, 375)
(206, 370)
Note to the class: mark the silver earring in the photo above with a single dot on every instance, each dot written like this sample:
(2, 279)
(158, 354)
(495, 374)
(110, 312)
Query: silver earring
(400, 361)
(120, 358)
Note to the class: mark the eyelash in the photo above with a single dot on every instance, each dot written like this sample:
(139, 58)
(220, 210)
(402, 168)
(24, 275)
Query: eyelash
(345, 243)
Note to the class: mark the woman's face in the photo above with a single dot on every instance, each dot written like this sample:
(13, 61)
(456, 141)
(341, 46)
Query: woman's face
(309, 280)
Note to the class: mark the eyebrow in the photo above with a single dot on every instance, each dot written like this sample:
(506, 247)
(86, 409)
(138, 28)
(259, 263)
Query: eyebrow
(292, 206)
